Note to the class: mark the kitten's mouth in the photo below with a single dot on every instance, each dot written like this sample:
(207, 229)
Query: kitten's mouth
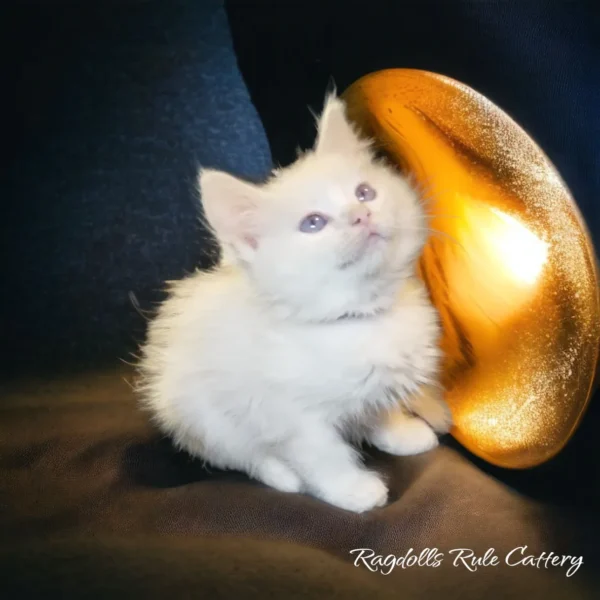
(373, 239)
(374, 235)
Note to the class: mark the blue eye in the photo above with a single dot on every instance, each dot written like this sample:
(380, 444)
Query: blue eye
(365, 193)
(313, 223)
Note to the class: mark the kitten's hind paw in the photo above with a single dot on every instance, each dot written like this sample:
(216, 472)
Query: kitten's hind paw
(404, 435)
(430, 405)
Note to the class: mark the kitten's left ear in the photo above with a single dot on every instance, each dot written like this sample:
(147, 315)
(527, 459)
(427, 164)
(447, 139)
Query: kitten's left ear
(335, 133)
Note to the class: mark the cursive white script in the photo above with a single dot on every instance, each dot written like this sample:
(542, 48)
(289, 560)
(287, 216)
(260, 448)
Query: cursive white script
(466, 558)
(519, 557)
(429, 557)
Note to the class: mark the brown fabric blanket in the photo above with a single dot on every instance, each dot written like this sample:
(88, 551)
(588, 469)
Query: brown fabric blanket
(96, 504)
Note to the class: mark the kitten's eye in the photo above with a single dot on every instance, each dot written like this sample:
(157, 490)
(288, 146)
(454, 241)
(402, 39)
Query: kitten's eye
(365, 193)
(313, 223)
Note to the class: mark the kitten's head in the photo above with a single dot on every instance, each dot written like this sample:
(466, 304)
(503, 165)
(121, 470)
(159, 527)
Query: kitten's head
(332, 234)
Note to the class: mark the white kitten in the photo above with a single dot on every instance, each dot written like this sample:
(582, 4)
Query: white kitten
(312, 331)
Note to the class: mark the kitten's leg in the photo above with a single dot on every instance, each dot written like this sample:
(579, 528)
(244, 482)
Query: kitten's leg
(331, 470)
(429, 404)
(278, 475)
(265, 468)
(402, 434)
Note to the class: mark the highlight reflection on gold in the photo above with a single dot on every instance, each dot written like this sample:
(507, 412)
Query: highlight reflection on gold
(519, 253)
(509, 263)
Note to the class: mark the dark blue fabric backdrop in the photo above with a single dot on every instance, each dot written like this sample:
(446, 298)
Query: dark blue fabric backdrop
(116, 105)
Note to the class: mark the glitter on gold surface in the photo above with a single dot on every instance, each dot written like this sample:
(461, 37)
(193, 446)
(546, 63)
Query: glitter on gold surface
(509, 263)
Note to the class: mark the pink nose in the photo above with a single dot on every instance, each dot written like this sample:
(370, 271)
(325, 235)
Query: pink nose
(361, 216)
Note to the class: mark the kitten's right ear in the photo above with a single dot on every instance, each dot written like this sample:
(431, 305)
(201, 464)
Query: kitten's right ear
(231, 207)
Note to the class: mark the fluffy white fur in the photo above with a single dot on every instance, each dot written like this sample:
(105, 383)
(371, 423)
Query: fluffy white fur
(298, 344)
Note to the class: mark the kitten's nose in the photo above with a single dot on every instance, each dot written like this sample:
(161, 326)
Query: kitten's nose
(361, 215)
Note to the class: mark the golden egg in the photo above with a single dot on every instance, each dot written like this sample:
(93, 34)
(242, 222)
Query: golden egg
(509, 263)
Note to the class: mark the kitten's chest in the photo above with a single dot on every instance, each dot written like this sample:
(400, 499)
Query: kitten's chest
(355, 356)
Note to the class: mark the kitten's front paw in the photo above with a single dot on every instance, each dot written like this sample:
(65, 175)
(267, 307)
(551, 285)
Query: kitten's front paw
(278, 475)
(358, 491)
(403, 435)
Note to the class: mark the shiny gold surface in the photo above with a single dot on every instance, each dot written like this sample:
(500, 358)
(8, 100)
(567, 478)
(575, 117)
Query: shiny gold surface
(509, 263)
